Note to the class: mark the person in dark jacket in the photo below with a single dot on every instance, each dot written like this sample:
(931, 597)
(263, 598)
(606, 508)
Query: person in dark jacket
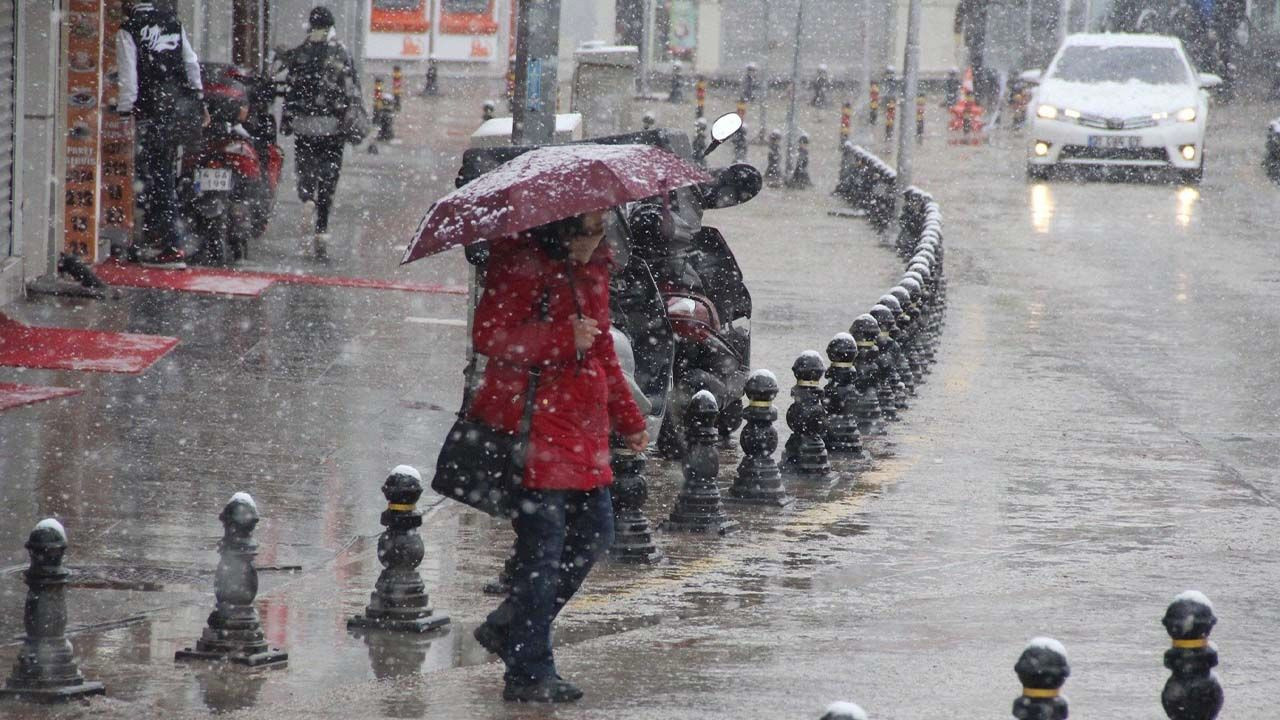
(565, 515)
(156, 64)
(322, 86)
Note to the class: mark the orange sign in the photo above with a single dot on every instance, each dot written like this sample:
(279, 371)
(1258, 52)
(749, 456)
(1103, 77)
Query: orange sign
(84, 78)
(412, 47)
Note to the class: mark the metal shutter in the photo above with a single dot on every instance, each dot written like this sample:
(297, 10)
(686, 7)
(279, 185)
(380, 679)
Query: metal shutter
(832, 36)
(8, 86)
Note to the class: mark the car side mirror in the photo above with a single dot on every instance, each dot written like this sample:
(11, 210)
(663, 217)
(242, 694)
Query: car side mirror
(1031, 76)
(1209, 80)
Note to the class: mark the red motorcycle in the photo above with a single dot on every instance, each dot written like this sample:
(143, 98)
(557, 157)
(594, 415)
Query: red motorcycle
(228, 184)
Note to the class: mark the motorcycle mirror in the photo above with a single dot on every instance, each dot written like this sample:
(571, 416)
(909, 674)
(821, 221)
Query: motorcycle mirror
(722, 129)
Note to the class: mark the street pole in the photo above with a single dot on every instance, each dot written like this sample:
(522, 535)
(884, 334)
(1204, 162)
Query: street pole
(537, 60)
(795, 81)
(866, 53)
(646, 49)
(911, 66)
(764, 79)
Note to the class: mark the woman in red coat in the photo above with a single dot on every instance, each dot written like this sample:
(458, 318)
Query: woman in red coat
(546, 305)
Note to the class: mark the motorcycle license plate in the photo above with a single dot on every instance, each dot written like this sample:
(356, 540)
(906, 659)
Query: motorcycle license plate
(213, 180)
(1115, 141)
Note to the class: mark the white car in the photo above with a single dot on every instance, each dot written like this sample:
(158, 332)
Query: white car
(1119, 100)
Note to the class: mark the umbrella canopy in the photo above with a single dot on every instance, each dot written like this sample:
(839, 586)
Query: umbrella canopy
(544, 185)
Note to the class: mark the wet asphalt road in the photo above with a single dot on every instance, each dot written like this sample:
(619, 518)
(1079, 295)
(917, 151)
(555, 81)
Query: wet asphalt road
(1098, 435)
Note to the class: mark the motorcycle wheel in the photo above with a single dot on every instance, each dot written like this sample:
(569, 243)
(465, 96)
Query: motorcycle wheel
(213, 241)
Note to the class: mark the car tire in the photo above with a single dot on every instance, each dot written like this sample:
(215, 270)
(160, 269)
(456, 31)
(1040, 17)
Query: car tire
(1039, 172)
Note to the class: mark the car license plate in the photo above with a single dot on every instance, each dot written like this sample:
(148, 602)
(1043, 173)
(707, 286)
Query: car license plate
(1115, 141)
(213, 180)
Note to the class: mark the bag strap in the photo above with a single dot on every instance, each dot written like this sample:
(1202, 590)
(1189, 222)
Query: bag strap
(526, 420)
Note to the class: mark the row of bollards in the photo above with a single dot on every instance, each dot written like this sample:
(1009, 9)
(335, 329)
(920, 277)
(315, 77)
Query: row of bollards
(47, 671)
(1192, 691)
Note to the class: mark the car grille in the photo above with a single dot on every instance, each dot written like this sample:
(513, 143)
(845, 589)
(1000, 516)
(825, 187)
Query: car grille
(1132, 123)
(1084, 152)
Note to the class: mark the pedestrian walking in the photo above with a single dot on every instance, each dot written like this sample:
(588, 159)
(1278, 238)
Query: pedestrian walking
(160, 86)
(546, 305)
(322, 96)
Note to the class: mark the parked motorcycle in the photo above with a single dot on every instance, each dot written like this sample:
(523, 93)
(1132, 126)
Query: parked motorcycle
(228, 183)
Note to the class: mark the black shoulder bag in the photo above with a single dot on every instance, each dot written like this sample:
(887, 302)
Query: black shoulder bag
(483, 466)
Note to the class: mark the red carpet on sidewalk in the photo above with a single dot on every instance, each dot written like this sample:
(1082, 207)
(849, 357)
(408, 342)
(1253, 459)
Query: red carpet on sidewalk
(13, 395)
(53, 348)
(246, 282)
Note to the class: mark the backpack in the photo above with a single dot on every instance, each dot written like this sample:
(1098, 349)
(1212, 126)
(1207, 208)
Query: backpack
(321, 82)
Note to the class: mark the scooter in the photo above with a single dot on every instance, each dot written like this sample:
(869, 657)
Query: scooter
(228, 182)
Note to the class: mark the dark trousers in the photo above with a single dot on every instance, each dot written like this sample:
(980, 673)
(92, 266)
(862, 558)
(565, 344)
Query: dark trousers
(559, 536)
(319, 164)
(157, 157)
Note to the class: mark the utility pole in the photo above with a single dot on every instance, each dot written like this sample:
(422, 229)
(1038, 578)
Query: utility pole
(795, 82)
(646, 48)
(866, 53)
(911, 66)
(537, 61)
(764, 79)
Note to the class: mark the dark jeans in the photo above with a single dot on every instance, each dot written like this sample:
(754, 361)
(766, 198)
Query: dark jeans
(559, 536)
(157, 158)
(319, 164)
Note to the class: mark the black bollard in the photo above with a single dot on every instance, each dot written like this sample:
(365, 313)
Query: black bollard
(1042, 668)
(486, 112)
(431, 87)
(234, 632)
(633, 534)
(906, 323)
(739, 141)
(46, 669)
(844, 711)
(748, 90)
(1192, 691)
(759, 480)
(399, 600)
(900, 365)
(821, 86)
(920, 320)
(840, 396)
(890, 389)
(502, 586)
(806, 451)
(698, 506)
(800, 174)
(773, 170)
(871, 365)
(846, 180)
(648, 120)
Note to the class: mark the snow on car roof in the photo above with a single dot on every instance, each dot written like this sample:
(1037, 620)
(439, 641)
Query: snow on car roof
(1122, 40)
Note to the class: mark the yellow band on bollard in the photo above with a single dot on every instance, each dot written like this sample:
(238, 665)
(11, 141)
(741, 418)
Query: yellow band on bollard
(807, 383)
(401, 507)
(1191, 644)
(759, 403)
(1039, 692)
(866, 343)
(842, 364)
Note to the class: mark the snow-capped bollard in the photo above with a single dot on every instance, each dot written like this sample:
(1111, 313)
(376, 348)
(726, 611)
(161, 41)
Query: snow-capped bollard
(748, 89)
(648, 120)
(1043, 669)
(871, 364)
(920, 103)
(841, 394)
(431, 86)
(633, 533)
(873, 104)
(846, 121)
(1192, 691)
(740, 144)
(821, 87)
(234, 632)
(45, 669)
(844, 711)
(800, 174)
(399, 600)
(897, 335)
(806, 452)
(920, 322)
(890, 388)
(698, 506)
(487, 110)
(906, 323)
(502, 586)
(847, 183)
(773, 170)
(759, 480)
(700, 95)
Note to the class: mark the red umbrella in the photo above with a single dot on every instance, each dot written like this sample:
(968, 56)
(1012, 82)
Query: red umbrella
(547, 184)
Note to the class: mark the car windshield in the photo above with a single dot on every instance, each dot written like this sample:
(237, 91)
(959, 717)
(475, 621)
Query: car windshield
(1118, 63)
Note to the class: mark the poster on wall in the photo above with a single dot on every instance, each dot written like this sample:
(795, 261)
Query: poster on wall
(467, 31)
(84, 78)
(116, 146)
(398, 30)
(682, 38)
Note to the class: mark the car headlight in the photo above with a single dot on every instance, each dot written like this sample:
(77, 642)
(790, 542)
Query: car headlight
(1048, 112)
(1186, 115)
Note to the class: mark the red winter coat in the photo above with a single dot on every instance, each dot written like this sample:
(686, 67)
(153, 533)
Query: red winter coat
(576, 399)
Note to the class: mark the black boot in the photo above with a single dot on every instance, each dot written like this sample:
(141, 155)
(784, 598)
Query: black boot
(548, 690)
